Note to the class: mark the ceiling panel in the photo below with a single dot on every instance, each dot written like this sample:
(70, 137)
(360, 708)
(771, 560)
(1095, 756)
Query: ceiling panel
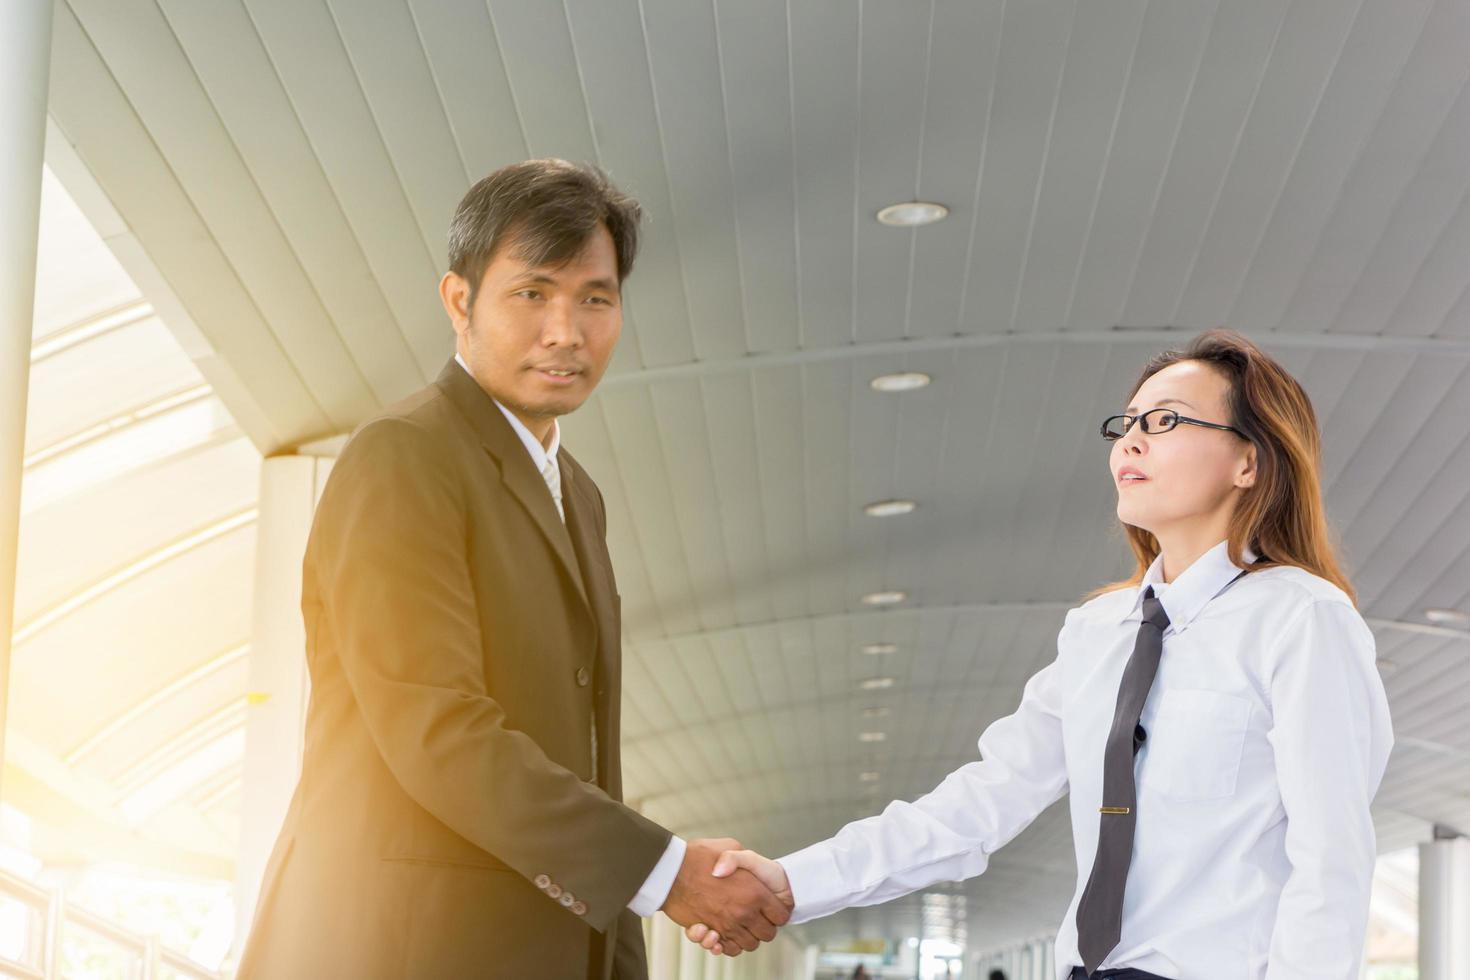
(1117, 180)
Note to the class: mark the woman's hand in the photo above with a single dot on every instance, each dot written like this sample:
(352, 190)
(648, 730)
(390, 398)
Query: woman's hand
(770, 873)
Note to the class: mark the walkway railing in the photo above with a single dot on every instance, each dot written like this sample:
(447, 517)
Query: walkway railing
(51, 919)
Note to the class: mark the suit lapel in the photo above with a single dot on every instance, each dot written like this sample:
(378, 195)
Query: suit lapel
(517, 471)
(582, 529)
(581, 508)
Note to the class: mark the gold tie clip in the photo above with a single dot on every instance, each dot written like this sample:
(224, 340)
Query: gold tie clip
(1112, 809)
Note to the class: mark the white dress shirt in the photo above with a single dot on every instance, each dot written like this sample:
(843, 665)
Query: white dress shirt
(656, 886)
(1268, 732)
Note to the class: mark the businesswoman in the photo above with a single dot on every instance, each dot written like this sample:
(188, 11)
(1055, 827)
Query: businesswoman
(1217, 718)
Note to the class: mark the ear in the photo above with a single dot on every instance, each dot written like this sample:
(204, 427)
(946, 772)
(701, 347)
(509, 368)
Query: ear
(1246, 476)
(454, 291)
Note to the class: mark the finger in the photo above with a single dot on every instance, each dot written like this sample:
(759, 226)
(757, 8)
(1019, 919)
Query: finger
(732, 859)
(711, 941)
(774, 911)
(740, 936)
(697, 931)
(761, 929)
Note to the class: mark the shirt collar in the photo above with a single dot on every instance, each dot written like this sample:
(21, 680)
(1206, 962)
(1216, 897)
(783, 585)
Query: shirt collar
(539, 454)
(1187, 594)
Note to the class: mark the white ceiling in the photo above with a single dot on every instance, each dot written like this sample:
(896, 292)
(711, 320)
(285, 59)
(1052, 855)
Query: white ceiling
(277, 177)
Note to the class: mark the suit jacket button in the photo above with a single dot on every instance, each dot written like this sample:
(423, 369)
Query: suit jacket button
(567, 899)
(583, 677)
(542, 882)
(554, 891)
(579, 908)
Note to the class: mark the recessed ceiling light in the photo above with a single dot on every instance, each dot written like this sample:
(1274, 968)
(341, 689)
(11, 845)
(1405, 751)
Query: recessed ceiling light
(877, 649)
(912, 214)
(884, 598)
(875, 712)
(900, 381)
(890, 508)
(868, 777)
(871, 736)
(1387, 666)
(1447, 617)
(877, 684)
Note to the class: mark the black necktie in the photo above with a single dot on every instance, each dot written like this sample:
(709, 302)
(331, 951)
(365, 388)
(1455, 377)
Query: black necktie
(1100, 912)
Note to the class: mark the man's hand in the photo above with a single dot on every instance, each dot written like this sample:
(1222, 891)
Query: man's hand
(769, 873)
(742, 909)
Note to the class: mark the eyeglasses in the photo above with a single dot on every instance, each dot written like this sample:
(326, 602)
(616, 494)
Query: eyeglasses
(1155, 420)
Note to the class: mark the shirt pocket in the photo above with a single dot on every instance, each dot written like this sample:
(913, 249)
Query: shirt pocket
(1195, 745)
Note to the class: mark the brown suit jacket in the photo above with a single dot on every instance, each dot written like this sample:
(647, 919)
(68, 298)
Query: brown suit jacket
(462, 642)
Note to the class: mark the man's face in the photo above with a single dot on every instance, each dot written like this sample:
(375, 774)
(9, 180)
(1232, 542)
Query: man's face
(538, 338)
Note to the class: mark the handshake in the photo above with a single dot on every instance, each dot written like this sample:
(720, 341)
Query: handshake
(728, 899)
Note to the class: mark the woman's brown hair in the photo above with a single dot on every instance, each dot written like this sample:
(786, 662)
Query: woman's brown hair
(1281, 516)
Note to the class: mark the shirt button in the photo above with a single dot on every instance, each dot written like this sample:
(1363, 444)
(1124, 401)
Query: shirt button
(583, 677)
(554, 891)
(542, 882)
(579, 908)
(567, 899)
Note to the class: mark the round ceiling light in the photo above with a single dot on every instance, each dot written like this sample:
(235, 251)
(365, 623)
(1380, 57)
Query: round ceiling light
(871, 736)
(876, 683)
(1447, 617)
(890, 508)
(913, 214)
(902, 381)
(884, 598)
(878, 649)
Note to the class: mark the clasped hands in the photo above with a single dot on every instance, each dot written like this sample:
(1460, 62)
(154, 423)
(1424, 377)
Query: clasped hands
(728, 899)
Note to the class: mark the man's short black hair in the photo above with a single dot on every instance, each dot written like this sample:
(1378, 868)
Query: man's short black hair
(546, 210)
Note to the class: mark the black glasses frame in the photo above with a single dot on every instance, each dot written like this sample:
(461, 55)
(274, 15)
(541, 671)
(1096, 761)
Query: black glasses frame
(1129, 419)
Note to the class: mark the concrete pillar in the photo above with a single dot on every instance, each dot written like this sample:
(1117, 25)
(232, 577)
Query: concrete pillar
(1444, 907)
(25, 67)
(289, 489)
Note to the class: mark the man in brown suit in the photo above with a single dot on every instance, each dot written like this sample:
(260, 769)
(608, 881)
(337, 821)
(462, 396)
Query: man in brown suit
(459, 810)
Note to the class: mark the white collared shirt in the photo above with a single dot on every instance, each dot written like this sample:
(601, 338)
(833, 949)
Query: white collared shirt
(656, 887)
(1267, 734)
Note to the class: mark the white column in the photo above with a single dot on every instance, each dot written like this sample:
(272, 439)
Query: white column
(808, 961)
(664, 941)
(289, 489)
(691, 961)
(25, 66)
(1444, 907)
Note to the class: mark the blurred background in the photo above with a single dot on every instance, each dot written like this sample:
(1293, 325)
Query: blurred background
(849, 450)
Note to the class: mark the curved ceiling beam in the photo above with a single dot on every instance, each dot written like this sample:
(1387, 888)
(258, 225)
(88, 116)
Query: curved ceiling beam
(862, 615)
(118, 423)
(225, 720)
(866, 616)
(120, 721)
(331, 445)
(740, 777)
(128, 573)
(76, 334)
(771, 710)
(1440, 347)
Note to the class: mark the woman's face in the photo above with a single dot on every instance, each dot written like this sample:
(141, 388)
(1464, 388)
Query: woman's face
(1192, 474)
